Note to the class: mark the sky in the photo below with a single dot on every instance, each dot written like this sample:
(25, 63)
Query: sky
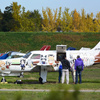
(31, 5)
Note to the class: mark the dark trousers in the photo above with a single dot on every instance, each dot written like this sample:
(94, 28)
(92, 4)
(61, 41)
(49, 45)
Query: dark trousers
(80, 79)
(60, 74)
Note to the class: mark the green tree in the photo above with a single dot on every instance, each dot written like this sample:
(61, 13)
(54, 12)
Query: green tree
(66, 21)
(37, 19)
(1, 17)
(8, 20)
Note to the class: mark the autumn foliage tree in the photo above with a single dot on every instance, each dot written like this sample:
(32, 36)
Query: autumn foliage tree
(58, 23)
(49, 20)
(76, 21)
(82, 27)
(66, 23)
(16, 15)
(15, 18)
(97, 22)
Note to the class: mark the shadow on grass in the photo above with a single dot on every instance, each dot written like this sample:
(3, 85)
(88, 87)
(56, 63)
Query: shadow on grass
(53, 82)
(31, 82)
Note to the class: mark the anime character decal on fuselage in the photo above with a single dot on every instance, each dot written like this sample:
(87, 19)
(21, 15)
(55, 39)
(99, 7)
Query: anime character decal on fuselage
(22, 64)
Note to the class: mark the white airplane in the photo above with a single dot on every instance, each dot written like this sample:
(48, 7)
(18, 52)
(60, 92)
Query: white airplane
(11, 54)
(45, 60)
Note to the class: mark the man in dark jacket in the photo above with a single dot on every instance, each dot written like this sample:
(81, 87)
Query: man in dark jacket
(78, 68)
(65, 69)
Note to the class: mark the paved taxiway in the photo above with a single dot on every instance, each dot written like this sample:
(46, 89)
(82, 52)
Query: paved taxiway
(45, 90)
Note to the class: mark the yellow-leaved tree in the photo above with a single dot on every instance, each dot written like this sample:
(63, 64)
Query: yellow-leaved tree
(24, 22)
(97, 21)
(82, 26)
(90, 23)
(16, 15)
(27, 24)
(76, 21)
(59, 20)
(49, 20)
(66, 23)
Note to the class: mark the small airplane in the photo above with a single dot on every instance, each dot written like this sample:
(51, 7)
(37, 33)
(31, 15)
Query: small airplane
(45, 60)
(11, 54)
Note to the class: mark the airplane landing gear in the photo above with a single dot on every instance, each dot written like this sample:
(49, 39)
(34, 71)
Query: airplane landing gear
(43, 75)
(40, 80)
(21, 75)
(3, 80)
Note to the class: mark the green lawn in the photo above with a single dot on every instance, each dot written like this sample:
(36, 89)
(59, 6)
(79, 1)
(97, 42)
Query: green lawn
(46, 96)
(14, 41)
(90, 79)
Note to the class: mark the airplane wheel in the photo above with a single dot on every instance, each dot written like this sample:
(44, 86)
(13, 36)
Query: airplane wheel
(3, 80)
(40, 80)
(21, 76)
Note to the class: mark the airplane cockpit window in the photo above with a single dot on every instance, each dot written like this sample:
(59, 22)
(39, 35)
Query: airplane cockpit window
(14, 56)
(27, 55)
(35, 56)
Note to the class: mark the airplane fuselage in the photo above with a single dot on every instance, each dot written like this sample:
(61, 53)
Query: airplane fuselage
(35, 60)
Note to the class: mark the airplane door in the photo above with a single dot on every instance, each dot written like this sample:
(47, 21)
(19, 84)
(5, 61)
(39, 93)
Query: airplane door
(61, 51)
(34, 60)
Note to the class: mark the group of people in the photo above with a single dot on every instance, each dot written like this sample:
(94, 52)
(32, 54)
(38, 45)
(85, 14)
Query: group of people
(65, 67)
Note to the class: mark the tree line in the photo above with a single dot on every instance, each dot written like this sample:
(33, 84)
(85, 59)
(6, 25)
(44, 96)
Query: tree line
(16, 19)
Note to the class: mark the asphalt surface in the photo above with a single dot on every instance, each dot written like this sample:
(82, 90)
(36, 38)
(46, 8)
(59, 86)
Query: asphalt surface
(45, 90)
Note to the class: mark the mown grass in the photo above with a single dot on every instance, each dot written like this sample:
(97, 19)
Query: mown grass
(90, 80)
(43, 96)
(13, 41)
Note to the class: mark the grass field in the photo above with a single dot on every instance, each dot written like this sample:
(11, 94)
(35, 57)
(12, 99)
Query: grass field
(13, 41)
(44, 96)
(10, 41)
(90, 79)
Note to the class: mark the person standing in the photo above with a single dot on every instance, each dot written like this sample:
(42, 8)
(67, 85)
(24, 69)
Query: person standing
(78, 68)
(65, 69)
(72, 64)
(60, 72)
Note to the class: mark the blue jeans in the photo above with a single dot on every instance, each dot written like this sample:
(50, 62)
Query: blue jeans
(78, 73)
(60, 74)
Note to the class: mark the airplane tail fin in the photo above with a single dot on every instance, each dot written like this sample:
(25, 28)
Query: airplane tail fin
(46, 47)
(97, 47)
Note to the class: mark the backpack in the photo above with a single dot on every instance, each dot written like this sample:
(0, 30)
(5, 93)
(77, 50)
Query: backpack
(79, 68)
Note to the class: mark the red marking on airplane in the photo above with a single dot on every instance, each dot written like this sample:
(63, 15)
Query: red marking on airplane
(1, 54)
(46, 47)
(97, 57)
(7, 66)
(35, 62)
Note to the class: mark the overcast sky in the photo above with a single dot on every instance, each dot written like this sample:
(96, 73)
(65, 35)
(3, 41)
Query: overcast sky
(88, 5)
